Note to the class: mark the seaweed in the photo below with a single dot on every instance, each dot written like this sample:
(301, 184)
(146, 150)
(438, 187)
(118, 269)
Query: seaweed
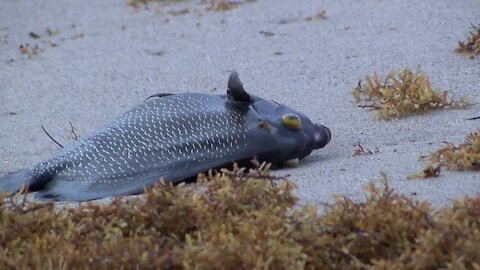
(221, 5)
(239, 219)
(465, 156)
(402, 94)
(136, 3)
(360, 150)
(25, 49)
(471, 46)
(212, 5)
(319, 16)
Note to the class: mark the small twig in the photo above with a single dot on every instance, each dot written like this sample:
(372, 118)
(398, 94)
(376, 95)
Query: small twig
(374, 106)
(72, 130)
(451, 146)
(247, 175)
(51, 138)
(25, 193)
(423, 157)
(349, 256)
(23, 206)
(359, 86)
(360, 150)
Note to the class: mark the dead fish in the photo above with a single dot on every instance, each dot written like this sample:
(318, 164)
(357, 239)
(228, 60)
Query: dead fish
(174, 137)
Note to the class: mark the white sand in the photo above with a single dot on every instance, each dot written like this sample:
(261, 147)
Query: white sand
(91, 80)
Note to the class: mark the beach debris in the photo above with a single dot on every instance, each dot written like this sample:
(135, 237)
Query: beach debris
(465, 156)
(471, 46)
(360, 150)
(402, 94)
(319, 16)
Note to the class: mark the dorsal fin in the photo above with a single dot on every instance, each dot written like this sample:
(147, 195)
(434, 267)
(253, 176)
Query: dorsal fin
(235, 89)
(157, 95)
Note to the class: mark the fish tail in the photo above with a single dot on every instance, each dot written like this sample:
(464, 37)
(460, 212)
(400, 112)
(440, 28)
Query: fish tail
(13, 182)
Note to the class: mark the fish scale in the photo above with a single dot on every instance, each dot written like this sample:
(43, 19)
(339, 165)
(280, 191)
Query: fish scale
(174, 137)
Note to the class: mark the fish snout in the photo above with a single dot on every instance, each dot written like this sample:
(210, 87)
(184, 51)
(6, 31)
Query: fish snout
(321, 135)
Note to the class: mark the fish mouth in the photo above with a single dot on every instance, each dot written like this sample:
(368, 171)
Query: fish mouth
(322, 136)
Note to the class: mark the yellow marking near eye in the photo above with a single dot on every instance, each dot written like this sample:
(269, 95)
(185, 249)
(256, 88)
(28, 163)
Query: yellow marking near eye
(291, 120)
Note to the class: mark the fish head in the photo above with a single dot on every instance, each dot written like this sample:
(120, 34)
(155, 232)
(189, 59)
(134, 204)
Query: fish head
(292, 129)
(294, 134)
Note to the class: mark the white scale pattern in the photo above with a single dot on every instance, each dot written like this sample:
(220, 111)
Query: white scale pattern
(152, 135)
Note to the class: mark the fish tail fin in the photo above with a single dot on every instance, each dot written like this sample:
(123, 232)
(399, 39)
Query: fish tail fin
(13, 182)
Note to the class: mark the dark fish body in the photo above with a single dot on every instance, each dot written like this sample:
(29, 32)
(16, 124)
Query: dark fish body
(174, 137)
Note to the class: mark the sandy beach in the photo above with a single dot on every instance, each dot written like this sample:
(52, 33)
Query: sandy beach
(87, 62)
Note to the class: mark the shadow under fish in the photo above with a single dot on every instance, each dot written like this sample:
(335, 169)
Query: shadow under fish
(174, 137)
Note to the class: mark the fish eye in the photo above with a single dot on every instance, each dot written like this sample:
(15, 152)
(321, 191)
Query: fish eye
(291, 120)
